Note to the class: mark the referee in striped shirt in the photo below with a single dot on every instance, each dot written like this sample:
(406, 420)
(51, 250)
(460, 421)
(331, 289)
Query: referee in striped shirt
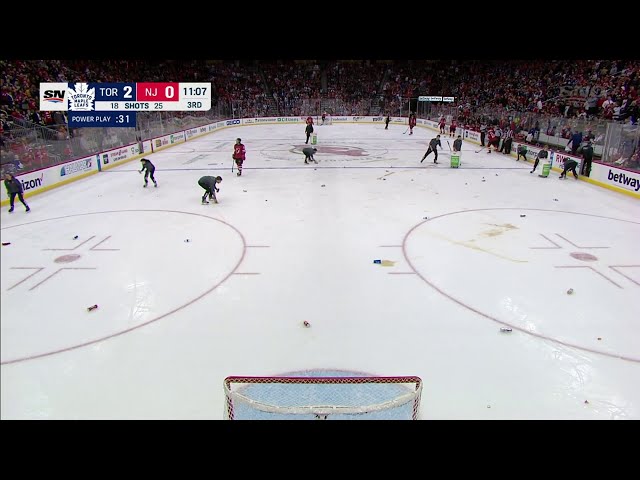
(508, 140)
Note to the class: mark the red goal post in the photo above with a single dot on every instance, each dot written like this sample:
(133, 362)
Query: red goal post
(324, 398)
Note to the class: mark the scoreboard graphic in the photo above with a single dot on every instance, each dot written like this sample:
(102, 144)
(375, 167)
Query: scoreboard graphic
(115, 104)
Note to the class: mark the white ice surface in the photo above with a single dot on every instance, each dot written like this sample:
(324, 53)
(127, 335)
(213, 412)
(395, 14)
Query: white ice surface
(290, 242)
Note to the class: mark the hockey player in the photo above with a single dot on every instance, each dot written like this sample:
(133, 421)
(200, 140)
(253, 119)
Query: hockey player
(308, 130)
(492, 139)
(457, 144)
(433, 147)
(324, 117)
(209, 184)
(386, 122)
(442, 124)
(150, 169)
(569, 164)
(14, 187)
(238, 155)
(308, 154)
(412, 122)
(541, 154)
(452, 128)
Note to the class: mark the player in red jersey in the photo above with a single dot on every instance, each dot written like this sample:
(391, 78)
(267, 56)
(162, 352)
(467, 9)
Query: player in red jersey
(442, 123)
(452, 129)
(493, 139)
(238, 155)
(412, 122)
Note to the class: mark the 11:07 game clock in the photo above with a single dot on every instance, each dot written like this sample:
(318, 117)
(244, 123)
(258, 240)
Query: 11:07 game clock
(115, 104)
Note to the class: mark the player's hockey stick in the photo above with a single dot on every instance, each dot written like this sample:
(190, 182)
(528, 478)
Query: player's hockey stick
(405, 131)
(449, 145)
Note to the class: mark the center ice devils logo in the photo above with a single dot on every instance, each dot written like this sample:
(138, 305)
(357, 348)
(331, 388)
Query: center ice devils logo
(82, 97)
(336, 150)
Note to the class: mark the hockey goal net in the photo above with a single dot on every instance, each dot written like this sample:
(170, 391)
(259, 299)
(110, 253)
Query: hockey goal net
(322, 398)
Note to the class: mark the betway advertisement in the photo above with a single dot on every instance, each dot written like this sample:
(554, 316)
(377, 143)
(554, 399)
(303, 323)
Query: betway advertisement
(616, 177)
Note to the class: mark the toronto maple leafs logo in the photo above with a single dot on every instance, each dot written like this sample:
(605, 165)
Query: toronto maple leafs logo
(81, 98)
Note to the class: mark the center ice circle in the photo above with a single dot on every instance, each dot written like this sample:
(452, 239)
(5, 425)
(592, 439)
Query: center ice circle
(516, 272)
(135, 274)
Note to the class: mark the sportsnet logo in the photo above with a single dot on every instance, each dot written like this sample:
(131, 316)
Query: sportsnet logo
(53, 96)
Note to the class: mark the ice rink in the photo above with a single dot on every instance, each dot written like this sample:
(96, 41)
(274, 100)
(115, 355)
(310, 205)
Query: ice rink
(464, 252)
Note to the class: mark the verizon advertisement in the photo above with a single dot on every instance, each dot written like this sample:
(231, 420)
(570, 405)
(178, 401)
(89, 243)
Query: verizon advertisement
(47, 178)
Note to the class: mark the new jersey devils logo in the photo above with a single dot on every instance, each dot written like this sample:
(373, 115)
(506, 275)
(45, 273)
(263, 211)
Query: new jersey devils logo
(335, 150)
